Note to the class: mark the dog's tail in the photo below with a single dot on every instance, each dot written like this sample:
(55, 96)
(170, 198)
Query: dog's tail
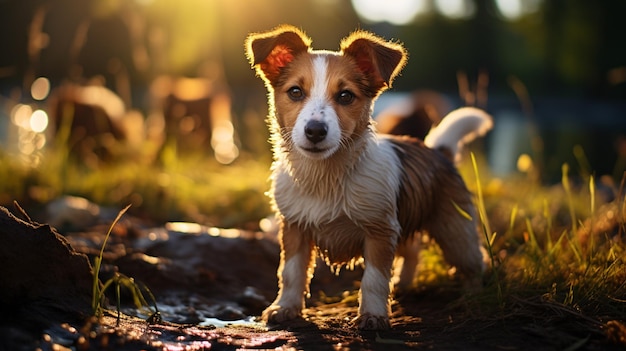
(458, 128)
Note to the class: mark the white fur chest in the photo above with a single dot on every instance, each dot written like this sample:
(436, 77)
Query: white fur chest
(365, 193)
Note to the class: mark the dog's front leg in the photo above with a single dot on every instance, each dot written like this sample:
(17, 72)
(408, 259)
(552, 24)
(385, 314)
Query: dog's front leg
(294, 274)
(374, 305)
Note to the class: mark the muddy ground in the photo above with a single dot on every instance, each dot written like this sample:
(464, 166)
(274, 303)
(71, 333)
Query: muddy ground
(210, 284)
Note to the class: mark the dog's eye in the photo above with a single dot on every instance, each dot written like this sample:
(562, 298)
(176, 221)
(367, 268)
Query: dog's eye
(345, 97)
(295, 93)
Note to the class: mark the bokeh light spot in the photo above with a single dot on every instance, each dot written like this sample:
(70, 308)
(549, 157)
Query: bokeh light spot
(514, 9)
(20, 115)
(223, 143)
(398, 12)
(38, 121)
(40, 88)
(524, 163)
(455, 9)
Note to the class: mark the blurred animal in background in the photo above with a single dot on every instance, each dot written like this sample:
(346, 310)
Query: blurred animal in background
(92, 122)
(196, 115)
(413, 115)
(188, 114)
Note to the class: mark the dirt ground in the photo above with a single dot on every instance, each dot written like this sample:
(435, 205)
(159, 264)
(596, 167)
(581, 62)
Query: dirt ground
(210, 285)
(328, 327)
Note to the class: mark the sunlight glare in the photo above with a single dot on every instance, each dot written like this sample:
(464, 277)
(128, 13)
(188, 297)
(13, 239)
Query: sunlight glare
(231, 233)
(214, 231)
(456, 9)
(222, 133)
(514, 9)
(26, 147)
(184, 227)
(510, 9)
(524, 163)
(267, 225)
(20, 115)
(398, 12)
(222, 141)
(39, 141)
(226, 153)
(40, 88)
(103, 97)
(38, 121)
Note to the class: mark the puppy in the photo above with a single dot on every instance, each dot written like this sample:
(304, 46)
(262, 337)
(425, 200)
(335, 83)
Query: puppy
(344, 192)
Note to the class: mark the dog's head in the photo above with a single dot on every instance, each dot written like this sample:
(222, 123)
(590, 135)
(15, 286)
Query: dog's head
(321, 100)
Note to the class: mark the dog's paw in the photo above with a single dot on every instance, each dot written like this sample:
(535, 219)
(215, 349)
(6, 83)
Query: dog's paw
(276, 314)
(367, 321)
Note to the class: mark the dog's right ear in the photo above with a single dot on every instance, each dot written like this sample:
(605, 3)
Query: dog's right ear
(381, 61)
(271, 51)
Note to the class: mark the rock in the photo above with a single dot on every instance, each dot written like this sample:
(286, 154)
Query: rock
(43, 280)
(71, 212)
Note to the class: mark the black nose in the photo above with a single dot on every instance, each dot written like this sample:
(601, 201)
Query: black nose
(315, 131)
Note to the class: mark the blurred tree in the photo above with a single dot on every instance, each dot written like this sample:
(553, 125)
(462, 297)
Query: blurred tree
(565, 47)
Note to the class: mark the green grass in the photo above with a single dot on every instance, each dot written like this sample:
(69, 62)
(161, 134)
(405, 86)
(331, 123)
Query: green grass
(561, 248)
(118, 281)
(488, 234)
(193, 188)
(97, 290)
(555, 250)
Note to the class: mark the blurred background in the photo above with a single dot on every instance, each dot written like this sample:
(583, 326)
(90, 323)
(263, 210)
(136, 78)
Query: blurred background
(152, 102)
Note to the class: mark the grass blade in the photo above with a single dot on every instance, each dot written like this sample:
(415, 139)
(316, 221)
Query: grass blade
(489, 235)
(568, 193)
(96, 292)
(461, 211)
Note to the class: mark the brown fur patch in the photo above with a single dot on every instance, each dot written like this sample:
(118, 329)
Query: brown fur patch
(431, 190)
(354, 118)
(300, 74)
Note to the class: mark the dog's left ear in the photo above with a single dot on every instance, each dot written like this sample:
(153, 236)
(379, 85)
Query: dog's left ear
(272, 51)
(379, 60)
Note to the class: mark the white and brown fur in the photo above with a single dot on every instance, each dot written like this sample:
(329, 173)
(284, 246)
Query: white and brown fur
(343, 191)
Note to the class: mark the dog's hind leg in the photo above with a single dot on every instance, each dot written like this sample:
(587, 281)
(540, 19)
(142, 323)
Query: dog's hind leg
(459, 241)
(294, 274)
(409, 251)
